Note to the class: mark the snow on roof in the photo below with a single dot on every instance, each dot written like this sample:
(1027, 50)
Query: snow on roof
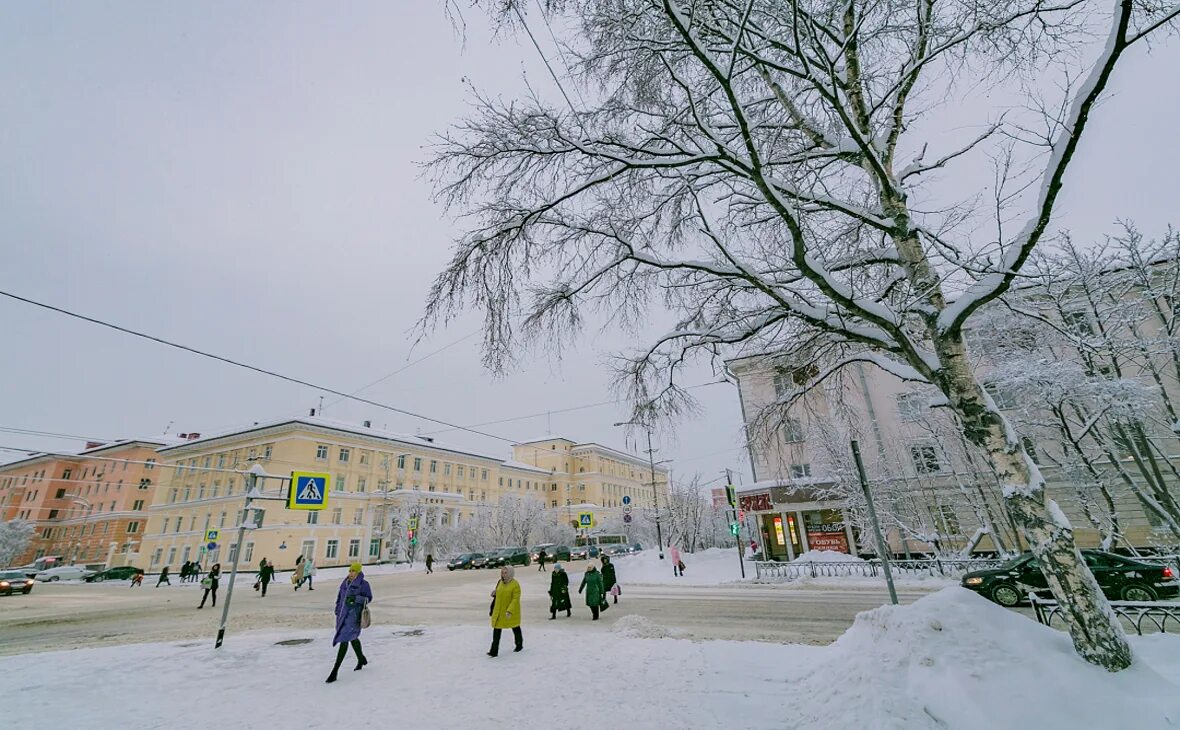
(632, 458)
(512, 464)
(422, 442)
(154, 441)
(550, 437)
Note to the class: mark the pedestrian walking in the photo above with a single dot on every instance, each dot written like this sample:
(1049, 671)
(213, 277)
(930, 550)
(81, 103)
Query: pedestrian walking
(592, 584)
(210, 584)
(194, 571)
(505, 610)
(266, 573)
(137, 579)
(297, 576)
(163, 577)
(677, 565)
(610, 585)
(559, 592)
(352, 615)
(429, 563)
(309, 573)
(184, 572)
(541, 558)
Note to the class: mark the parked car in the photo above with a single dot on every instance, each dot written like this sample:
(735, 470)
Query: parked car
(464, 561)
(613, 550)
(482, 560)
(583, 552)
(123, 572)
(535, 551)
(64, 572)
(15, 581)
(559, 552)
(512, 556)
(636, 548)
(1121, 579)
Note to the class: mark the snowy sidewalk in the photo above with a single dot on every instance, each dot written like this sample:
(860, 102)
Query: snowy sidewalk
(951, 660)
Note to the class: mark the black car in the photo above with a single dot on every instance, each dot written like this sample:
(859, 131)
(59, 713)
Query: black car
(464, 561)
(123, 572)
(1121, 579)
(508, 556)
(15, 581)
(553, 553)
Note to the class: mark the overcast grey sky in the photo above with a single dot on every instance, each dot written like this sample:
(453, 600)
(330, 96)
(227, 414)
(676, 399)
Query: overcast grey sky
(241, 178)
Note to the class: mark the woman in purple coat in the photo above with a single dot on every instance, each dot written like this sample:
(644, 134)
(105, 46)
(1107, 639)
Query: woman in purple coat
(351, 599)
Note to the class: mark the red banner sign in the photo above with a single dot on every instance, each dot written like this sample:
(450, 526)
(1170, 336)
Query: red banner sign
(756, 502)
(834, 541)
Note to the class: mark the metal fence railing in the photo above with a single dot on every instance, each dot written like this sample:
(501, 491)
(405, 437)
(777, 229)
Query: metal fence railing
(872, 568)
(1164, 618)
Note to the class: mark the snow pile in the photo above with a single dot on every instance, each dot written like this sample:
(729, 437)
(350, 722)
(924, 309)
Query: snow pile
(640, 627)
(706, 568)
(826, 556)
(953, 659)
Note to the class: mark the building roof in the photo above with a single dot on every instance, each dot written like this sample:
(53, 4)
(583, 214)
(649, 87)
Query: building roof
(512, 464)
(548, 438)
(418, 442)
(631, 458)
(121, 443)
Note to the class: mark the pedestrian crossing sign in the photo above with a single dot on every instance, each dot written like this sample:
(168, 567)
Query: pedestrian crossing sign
(308, 491)
(212, 535)
(585, 520)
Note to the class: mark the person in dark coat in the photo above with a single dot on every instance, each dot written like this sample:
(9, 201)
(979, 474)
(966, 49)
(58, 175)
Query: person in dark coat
(214, 579)
(429, 563)
(559, 592)
(163, 577)
(351, 599)
(266, 573)
(592, 583)
(184, 572)
(609, 584)
(541, 558)
(137, 579)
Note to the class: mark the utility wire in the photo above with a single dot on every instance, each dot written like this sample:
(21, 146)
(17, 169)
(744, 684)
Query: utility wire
(254, 368)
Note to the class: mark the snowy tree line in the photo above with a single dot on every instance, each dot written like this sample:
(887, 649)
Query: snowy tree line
(14, 540)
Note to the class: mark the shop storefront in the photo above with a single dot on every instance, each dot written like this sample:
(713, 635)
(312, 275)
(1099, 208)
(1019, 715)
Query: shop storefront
(789, 527)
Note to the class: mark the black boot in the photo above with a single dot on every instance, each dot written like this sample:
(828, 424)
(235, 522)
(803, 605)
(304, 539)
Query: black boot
(331, 677)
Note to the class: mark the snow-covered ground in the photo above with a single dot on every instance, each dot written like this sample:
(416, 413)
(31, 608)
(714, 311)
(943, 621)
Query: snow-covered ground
(826, 556)
(951, 660)
(705, 568)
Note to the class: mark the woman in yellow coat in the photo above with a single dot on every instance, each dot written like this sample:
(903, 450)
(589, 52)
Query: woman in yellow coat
(506, 609)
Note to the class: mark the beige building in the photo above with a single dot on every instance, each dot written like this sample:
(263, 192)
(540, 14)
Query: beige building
(377, 478)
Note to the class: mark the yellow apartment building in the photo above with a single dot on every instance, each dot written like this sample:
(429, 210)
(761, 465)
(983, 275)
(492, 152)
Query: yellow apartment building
(375, 475)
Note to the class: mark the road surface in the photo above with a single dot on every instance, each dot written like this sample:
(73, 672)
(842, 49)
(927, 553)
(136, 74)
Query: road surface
(77, 615)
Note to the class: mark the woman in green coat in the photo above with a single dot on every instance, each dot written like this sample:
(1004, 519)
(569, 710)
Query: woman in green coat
(592, 583)
(559, 592)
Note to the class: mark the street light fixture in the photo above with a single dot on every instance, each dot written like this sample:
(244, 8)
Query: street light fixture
(654, 492)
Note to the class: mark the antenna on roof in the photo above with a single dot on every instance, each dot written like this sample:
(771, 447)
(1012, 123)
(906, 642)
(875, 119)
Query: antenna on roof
(321, 405)
(168, 427)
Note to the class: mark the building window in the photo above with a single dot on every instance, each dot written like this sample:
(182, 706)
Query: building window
(321, 453)
(156, 556)
(171, 556)
(208, 461)
(358, 517)
(137, 505)
(925, 459)
(375, 547)
(233, 552)
(401, 461)
(360, 485)
(188, 491)
(132, 527)
(332, 549)
(221, 522)
(910, 406)
(187, 552)
(1002, 397)
(461, 470)
(483, 475)
(433, 466)
(446, 469)
(800, 471)
(417, 463)
(66, 474)
(950, 521)
(221, 461)
(344, 455)
(313, 518)
(201, 492)
(179, 520)
(1030, 449)
(337, 515)
(61, 493)
(249, 554)
(267, 451)
(354, 548)
(151, 464)
(364, 457)
(1077, 323)
(793, 431)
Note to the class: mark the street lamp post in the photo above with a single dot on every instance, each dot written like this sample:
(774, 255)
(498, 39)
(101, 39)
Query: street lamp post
(655, 500)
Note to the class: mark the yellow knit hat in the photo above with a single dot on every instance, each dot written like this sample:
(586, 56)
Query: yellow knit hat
(355, 567)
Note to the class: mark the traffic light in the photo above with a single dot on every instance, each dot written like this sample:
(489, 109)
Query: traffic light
(733, 528)
(731, 495)
(412, 537)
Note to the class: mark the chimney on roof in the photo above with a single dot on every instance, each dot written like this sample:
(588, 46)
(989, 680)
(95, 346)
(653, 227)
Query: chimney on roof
(368, 424)
(311, 412)
(93, 444)
(194, 436)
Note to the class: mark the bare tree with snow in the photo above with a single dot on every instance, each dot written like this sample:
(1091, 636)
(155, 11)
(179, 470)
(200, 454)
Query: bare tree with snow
(14, 540)
(758, 167)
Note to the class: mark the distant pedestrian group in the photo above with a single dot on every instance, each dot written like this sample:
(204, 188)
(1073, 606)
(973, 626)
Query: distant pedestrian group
(304, 573)
(190, 572)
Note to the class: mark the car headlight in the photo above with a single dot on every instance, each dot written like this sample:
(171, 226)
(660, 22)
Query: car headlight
(3, 584)
(972, 581)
